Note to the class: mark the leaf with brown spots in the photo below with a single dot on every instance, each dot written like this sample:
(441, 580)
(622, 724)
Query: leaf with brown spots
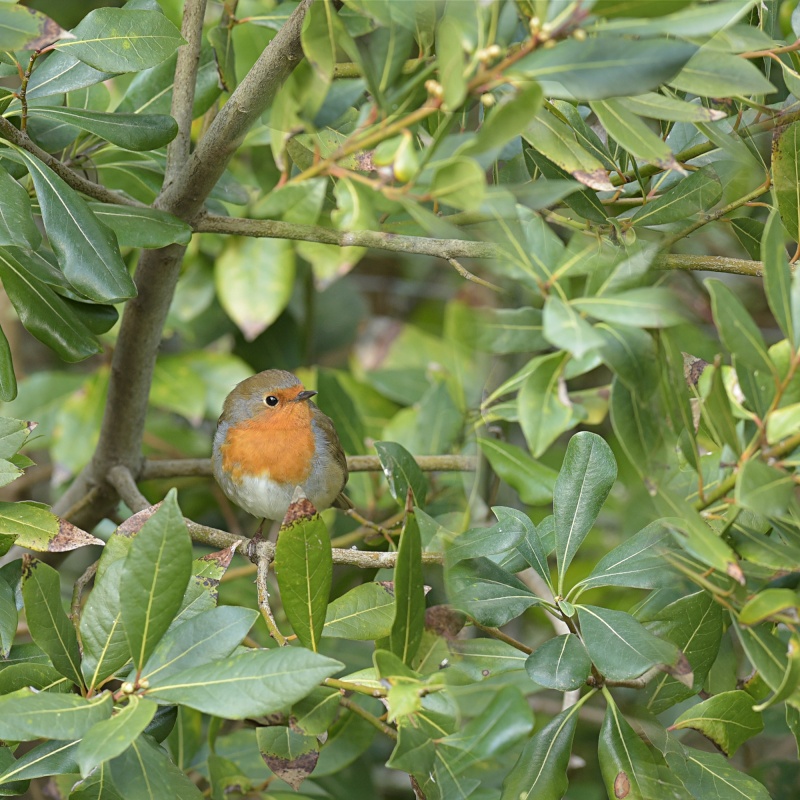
(291, 756)
(134, 524)
(38, 529)
(69, 537)
(25, 29)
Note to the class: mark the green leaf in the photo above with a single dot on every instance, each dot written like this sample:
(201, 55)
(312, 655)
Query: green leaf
(110, 738)
(334, 401)
(409, 619)
(659, 106)
(650, 307)
(17, 226)
(129, 131)
(561, 663)
(631, 355)
(450, 62)
(508, 120)
(32, 675)
(364, 613)
(24, 28)
(532, 480)
(626, 764)
(304, 569)
(727, 719)
(619, 646)
(146, 773)
(292, 756)
(698, 192)
(537, 544)
(142, 227)
(638, 562)
(604, 66)
(97, 786)
(633, 134)
(59, 73)
(8, 380)
(105, 646)
(315, 713)
(42, 715)
(44, 313)
(509, 330)
(764, 489)
(714, 73)
(402, 472)
(585, 479)
(249, 684)
(766, 652)
(785, 157)
(87, 251)
(154, 578)
(564, 327)
(506, 534)
(460, 183)
(8, 618)
(541, 770)
(544, 413)
(48, 758)
(777, 274)
(556, 140)
(481, 659)
(254, 280)
(47, 622)
(123, 40)
(487, 592)
(207, 637)
(710, 776)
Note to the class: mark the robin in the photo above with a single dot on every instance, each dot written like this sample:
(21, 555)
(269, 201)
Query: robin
(270, 439)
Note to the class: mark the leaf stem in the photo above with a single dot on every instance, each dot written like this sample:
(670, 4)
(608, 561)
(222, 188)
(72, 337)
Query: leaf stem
(347, 703)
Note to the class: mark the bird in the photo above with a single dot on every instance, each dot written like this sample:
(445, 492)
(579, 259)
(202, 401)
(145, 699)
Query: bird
(270, 439)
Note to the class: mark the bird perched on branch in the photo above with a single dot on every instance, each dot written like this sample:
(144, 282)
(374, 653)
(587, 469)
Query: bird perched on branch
(270, 439)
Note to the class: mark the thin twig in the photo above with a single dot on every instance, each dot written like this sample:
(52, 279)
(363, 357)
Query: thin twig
(465, 273)
(122, 480)
(496, 633)
(201, 467)
(371, 718)
(263, 599)
(184, 86)
(348, 686)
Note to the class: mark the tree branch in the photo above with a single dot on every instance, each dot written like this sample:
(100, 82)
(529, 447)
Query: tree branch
(73, 179)
(733, 266)
(264, 559)
(184, 197)
(273, 229)
(122, 480)
(184, 87)
(201, 467)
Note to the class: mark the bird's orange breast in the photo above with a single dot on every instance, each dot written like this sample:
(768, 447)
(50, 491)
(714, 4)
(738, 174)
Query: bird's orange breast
(279, 446)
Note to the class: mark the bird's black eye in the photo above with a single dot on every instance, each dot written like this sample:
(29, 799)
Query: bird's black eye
(271, 400)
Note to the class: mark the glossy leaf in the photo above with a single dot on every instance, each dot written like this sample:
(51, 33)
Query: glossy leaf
(619, 646)
(532, 480)
(87, 251)
(777, 274)
(291, 755)
(254, 280)
(248, 684)
(8, 618)
(142, 227)
(24, 28)
(504, 535)
(659, 106)
(643, 308)
(487, 592)
(727, 719)
(699, 192)
(304, 569)
(8, 380)
(626, 764)
(32, 715)
(207, 637)
(564, 327)
(402, 472)
(47, 758)
(541, 770)
(764, 489)
(60, 73)
(47, 622)
(146, 773)
(585, 479)
(785, 158)
(105, 646)
(154, 577)
(638, 562)
(561, 663)
(599, 67)
(364, 613)
(544, 412)
(409, 620)
(713, 73)
(459, 183)
(17, 226)
(123, 40)
(45, 314)
(450, 61)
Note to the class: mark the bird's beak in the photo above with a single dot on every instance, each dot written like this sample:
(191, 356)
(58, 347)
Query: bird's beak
(307, 394)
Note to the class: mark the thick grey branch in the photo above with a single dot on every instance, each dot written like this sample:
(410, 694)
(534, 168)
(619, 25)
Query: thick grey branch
(183, 87)
(272, 229)
(201, 467)
(73, 179)
(186, 194)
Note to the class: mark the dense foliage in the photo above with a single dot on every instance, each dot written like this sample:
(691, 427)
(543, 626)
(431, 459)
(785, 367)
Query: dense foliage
(476, 229)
